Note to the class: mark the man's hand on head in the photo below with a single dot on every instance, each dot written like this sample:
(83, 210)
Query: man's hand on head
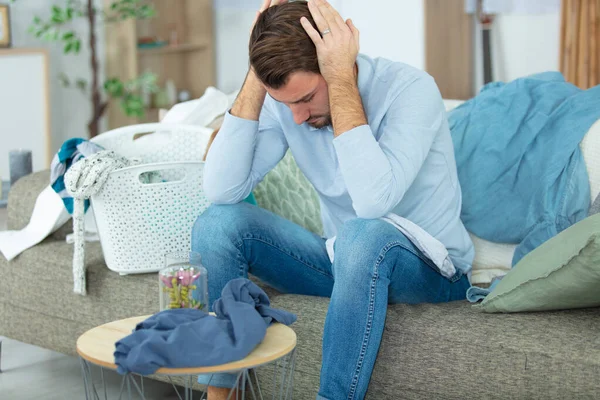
(337, 43)
(265, 4)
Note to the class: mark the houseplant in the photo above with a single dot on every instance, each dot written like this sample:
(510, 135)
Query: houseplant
(58, 29)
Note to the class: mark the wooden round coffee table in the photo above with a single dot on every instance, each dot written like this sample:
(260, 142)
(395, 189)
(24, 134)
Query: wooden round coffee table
(96, 347)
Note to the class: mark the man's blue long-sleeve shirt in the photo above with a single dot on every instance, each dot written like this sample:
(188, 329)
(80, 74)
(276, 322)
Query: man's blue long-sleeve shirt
(401, 162)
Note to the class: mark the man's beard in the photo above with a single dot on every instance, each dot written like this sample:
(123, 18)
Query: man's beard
(320, 122)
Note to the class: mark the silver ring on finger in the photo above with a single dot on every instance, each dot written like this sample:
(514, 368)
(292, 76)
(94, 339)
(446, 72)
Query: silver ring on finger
(325, 32)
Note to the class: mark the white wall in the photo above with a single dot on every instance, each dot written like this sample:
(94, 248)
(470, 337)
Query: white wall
(232, 29)
(524, 43)
(392, 29)
(23, 130)
(521, 45)
(396, 34)
(70, 109)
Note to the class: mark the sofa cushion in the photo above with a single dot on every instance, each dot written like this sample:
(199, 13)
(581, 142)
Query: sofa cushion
(51, 290)
(562, 273)
(22, 198)
(450, 351)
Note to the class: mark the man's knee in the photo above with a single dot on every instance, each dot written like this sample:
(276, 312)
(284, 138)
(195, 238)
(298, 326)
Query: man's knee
(363, 244)
(366, 235)
(219, 222)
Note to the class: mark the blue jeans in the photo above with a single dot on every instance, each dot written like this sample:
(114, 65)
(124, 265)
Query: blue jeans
(374, 264)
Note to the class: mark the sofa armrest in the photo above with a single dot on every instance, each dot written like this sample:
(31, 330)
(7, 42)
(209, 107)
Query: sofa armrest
(21, 200)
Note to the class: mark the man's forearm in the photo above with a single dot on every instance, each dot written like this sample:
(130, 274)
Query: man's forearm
(361, 160)
(251, 98)
(347, 110)
(229, 162)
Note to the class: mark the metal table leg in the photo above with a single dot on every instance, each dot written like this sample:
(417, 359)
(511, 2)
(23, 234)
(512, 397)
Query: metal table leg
(246, 382)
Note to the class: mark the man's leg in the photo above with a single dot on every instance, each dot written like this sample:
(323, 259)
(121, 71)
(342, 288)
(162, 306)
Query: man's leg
(374, 263)
(236, 239)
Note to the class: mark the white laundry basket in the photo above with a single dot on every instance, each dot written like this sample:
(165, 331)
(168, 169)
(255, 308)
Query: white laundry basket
(138, 223)
(154, 143)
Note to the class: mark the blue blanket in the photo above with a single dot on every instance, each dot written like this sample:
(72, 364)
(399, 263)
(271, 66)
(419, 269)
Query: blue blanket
(181, 338)
(522, 173)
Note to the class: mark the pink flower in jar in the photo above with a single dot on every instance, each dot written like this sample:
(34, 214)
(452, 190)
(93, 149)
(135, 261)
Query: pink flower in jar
(166, 280)
(194, 277)
(184, 277)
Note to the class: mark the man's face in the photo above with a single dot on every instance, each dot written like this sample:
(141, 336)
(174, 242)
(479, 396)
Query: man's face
(306, 95)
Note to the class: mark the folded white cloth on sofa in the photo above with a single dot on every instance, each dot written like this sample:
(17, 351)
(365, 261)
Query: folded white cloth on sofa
(49, 214)
(202, 111)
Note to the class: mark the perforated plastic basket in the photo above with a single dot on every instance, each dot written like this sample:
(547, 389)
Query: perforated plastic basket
(138, 223)
(154, 143)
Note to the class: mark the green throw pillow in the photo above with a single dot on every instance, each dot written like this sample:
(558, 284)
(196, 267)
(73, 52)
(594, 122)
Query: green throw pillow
(286, 192)
(562, 273)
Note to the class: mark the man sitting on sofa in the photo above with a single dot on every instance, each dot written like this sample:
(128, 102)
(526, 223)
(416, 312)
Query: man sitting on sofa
(371, 136)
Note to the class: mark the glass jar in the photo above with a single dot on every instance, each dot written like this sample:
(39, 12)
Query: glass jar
(183, 282)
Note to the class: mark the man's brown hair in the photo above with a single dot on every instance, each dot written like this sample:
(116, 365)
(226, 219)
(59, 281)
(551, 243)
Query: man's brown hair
(279, 45)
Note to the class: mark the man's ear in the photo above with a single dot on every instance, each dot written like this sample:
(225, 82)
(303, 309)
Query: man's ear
(212, 137)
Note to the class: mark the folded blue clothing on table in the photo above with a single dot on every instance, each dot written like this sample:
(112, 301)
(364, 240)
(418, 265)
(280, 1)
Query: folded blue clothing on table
(186, 338)
(521, 170)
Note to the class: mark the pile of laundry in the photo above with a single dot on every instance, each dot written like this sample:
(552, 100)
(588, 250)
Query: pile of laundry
(78, 171)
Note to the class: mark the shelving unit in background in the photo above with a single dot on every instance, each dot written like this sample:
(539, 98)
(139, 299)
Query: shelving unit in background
(449, 47)
(190, 63)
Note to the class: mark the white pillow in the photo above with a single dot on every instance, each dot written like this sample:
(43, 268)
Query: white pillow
(590, 147)
(451, 104)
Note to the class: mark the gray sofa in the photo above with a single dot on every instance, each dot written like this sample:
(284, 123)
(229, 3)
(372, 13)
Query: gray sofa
(441, 351)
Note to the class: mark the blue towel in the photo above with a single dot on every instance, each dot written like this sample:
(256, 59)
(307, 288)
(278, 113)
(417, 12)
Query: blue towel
(186, 338)
(476, 293)
(69, 153)
(522, 173)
